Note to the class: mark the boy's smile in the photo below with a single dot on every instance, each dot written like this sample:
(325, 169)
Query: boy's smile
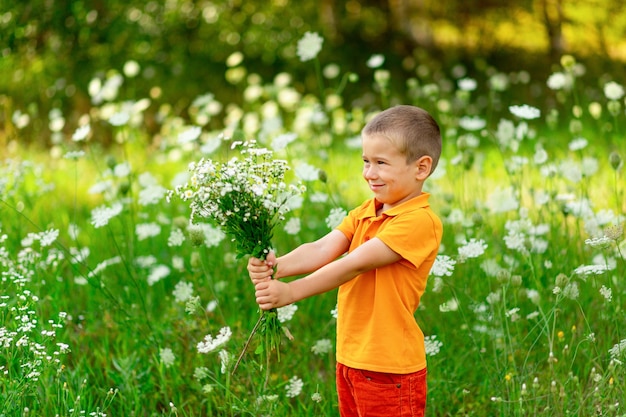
(390, 177)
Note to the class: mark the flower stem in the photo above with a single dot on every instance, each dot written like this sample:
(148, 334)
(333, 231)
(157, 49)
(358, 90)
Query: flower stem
(245, 346)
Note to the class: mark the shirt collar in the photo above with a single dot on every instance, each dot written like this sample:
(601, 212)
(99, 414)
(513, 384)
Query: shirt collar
(414, 203)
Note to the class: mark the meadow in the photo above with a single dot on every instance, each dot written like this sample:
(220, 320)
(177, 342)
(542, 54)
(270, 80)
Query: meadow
(112, 303)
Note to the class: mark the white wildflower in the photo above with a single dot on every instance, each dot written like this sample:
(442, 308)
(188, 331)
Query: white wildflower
(119, 118)
(225, 360)
(467, 84)
(157, 274)
(450, 305)
(81, 133)
(307, 172)
(292, 226)
(375, 61)
(167, 357)
(280, 142)
(586, 270)
(559, 81)
(618, 349)
(525, 111)
(607, 293)
(286, 313)
(100, 216)
(443, 266)
(322, 347)
(613, 90)
(309, 46)
(571, 291)
(176, 237)
(472, 249)
(183, 291)
(472, 123)
(189, 135)
(502, 200)
(335, 217)
(147, 230)
(209, 344)
(432, 345)
(294, 387)
(578, 144)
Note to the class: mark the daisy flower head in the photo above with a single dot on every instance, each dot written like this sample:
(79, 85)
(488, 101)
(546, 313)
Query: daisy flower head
(309, 46)
(525, 112)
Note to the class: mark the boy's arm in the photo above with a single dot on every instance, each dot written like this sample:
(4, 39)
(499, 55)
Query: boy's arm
(313, 255)
(370, 255)
(304, 259)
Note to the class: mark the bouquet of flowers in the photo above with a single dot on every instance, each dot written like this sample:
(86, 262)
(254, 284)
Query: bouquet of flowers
(247, 197)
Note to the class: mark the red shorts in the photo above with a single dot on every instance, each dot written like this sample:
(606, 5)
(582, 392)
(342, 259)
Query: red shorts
(377, 394)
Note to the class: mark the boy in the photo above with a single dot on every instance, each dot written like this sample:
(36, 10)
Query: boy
(391, 243)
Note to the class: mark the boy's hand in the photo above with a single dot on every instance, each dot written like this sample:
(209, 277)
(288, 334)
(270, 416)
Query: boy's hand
(261, 271)
(271, 293)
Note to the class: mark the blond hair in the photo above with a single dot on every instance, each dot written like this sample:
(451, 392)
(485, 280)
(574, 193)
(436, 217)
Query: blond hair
(412, 129)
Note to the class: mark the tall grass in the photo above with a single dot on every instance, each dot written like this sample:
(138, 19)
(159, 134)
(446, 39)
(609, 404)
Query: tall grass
(107, 289)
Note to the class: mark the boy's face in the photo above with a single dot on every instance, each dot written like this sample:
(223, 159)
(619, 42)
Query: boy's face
(388, 174)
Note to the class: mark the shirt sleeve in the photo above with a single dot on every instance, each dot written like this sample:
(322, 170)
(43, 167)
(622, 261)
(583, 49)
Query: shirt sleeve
(415, 236)
(348, 225)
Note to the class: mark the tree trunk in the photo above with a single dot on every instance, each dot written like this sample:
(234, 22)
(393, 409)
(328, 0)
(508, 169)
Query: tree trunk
(412, 19)
(553, 20)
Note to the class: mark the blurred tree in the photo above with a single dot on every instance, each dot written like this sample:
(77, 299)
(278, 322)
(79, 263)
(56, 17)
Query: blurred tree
(553, 18)
(51, 49)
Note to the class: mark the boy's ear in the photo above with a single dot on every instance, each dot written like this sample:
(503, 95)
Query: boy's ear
(423, 164)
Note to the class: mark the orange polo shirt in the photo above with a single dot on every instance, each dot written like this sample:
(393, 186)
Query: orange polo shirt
(376, 329)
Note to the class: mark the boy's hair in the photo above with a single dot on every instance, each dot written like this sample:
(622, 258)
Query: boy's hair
(412, 129)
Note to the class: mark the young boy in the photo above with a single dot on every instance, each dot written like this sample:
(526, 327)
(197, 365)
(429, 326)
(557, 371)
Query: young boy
(391, 243)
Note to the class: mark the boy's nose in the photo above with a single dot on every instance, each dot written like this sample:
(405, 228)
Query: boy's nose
(369, 172)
